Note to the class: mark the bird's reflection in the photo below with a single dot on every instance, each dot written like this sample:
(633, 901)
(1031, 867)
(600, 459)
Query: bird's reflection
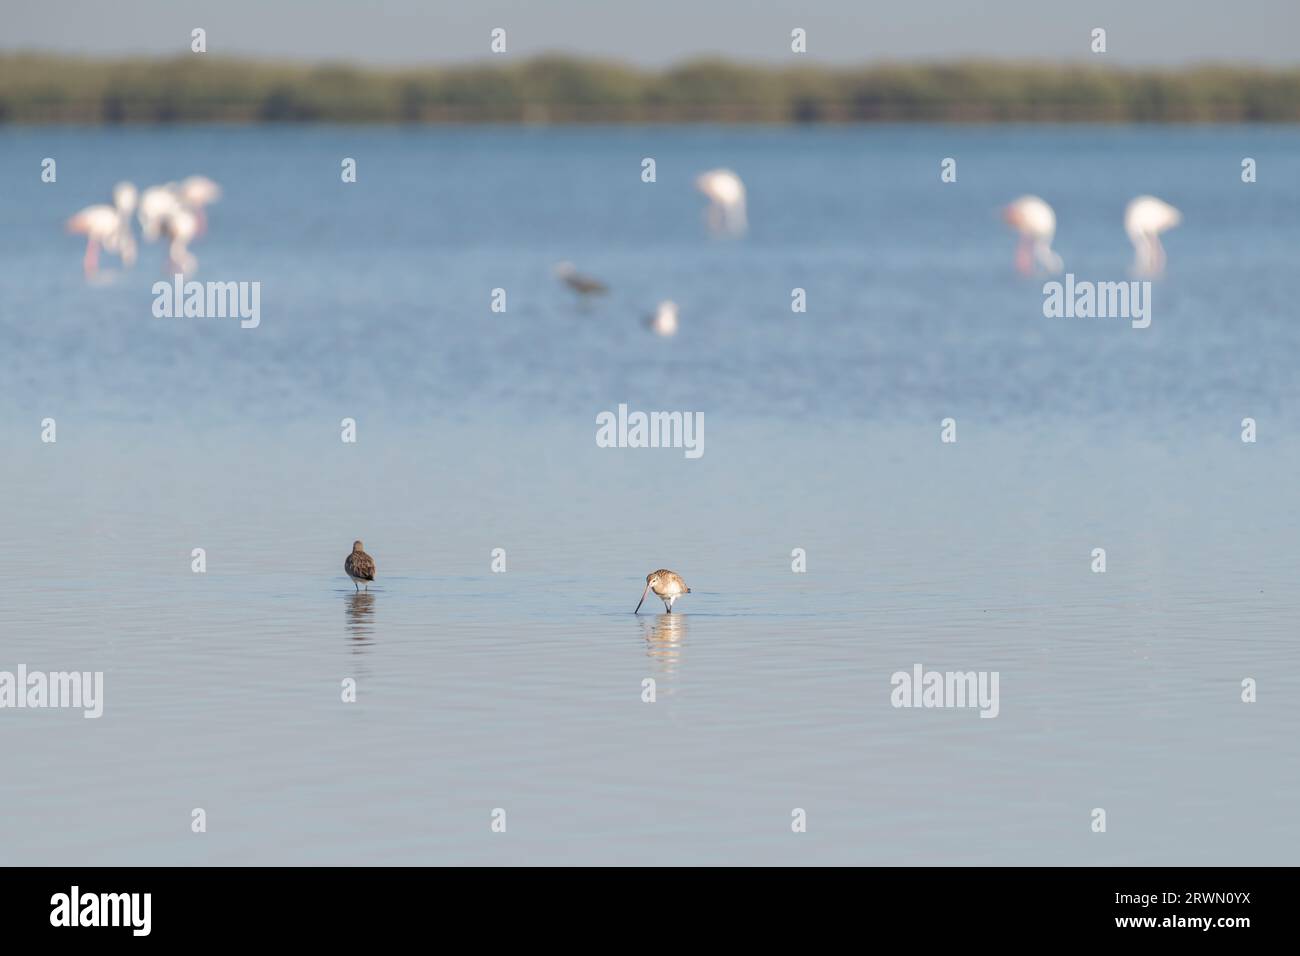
(664, 639)
(361, 618)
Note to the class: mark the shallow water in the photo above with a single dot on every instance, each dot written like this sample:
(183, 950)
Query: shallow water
(522, 690)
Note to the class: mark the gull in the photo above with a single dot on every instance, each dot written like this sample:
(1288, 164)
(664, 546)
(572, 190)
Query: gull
(664, 320)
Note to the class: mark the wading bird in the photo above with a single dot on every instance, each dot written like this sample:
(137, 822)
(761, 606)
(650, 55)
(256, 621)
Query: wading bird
(664, 321)
(107, 227)
(667, 585)
(179, 226)
(585, 286)
(1144, 219)
(726, 213)
(1036, 223)
(156, 203)
(360, 567)
(196, 192)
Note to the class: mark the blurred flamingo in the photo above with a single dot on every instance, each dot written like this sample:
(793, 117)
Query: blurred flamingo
(179, 226)
(107, 227)
(726, 193)
(1036, 222)
(1144, 219)
(198, 192)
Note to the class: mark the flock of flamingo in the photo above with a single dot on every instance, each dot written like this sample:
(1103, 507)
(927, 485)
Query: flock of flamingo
(173, 211)
(1144, 220)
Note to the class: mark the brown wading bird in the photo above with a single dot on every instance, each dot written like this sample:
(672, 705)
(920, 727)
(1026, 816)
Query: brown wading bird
(667, 585)
(583, 285)
(360, 567)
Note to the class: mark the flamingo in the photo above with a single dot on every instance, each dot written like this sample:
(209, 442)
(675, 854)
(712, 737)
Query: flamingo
(156, 203)
(179, 226)
(175, 211)
(1036, 222)
(1144, 219)
(726, 193)
(664, 321)
(197, 192)
(108, 227)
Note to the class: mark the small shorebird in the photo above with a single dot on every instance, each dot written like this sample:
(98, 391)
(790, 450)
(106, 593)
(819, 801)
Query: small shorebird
(360, 567)
(664, 321)
(726, 213)
(1144, 219)
(1035, 220)
(583, 285)
(667, 585)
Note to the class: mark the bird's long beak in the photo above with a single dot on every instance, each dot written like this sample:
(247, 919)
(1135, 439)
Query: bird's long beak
(643, 594)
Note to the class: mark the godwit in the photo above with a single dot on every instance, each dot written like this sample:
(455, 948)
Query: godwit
(667, 585)
(583, 285)
(108, 227)
(1036, 223)
(664, 321)
(1144, 219)
(726, 212)
(360, 567)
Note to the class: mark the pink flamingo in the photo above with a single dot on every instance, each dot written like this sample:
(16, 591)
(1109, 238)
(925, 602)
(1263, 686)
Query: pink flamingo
(1144, 219)
(726, 213)
(1036, 222)
(198, 192)
(107, 227)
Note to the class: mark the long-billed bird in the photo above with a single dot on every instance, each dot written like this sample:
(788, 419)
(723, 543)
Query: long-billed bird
(667, 585)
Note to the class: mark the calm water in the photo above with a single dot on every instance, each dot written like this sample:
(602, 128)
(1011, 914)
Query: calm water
(522, 690)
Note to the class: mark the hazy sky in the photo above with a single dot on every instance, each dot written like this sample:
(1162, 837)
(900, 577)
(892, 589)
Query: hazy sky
(655, 32)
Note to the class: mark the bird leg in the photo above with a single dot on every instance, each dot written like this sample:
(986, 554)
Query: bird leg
(1025, 256)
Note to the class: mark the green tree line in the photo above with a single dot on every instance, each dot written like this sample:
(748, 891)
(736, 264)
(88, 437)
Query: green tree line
(198, 88)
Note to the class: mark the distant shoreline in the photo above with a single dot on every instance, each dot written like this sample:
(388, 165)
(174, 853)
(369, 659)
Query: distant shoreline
(37, 88)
